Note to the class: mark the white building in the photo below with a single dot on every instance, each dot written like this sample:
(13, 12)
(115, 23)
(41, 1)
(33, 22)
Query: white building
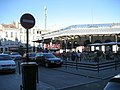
(13, 35)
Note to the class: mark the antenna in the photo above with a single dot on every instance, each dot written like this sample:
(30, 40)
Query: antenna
(92, 15)
(45, 13)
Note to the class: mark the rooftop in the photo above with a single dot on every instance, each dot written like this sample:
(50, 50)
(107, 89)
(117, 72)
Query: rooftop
(86, 26)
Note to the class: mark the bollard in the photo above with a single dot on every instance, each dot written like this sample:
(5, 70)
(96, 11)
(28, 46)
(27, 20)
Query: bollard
(19, 67)
(29, 75)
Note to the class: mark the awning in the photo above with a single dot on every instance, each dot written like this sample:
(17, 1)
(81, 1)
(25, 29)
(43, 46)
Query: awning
(100, 44)
(43, 41)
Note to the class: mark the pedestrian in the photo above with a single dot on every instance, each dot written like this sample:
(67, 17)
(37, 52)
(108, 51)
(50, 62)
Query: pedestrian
(73, 56)
(64, 55)
(79, 55)
(45, 50)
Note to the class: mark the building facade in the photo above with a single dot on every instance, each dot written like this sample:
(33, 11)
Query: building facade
(14, 35)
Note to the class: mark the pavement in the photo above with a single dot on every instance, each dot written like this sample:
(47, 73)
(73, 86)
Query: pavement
(81, 77)
(44, 86)
(102, 75)
(105, 74)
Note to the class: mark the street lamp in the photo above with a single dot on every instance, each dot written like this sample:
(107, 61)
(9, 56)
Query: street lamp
(43, 43)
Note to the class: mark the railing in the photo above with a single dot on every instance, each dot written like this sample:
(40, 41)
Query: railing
(94, 66)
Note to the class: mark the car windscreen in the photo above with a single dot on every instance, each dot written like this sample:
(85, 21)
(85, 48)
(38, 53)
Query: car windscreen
(5, 57)
(49, 56)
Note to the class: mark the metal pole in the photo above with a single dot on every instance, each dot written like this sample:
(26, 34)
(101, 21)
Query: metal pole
(76, 63)
(19, 67)
(66, 44)
(45, 12)
(98, 65)
(116, 38)
(43, 43)
(115, 62)
(27, 37)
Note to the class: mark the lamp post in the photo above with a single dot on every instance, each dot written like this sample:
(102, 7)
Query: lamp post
(43, 43)
(116, 39)
(45, 13)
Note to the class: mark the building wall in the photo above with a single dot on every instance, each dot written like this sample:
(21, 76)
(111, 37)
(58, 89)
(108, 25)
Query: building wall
(14, 37)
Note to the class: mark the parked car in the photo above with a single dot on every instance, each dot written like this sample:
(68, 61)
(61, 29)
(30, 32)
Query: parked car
(7, 63)
(113, 84)
(31, 56)
(16, 56)
(48, 59)
(7, 52)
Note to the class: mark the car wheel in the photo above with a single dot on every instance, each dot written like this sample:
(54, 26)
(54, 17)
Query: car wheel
(46, 65)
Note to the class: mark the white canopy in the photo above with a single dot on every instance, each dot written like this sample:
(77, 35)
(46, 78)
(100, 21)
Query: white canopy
(87, 29)
(100, 44)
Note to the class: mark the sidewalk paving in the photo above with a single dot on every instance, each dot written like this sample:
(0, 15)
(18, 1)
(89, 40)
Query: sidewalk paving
(105, 74)
(101, 75)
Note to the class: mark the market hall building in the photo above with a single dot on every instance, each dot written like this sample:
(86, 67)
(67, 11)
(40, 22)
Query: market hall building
(83, 37)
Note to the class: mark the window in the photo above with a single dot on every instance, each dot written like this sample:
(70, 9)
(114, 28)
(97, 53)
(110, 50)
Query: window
(11, 34)
(15, 34)
(20, 37)
(38, 32)
(21, 30)
(33, 31)
(6, 34)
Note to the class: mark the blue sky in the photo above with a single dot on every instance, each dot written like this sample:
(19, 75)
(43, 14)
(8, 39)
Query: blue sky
(61, 13)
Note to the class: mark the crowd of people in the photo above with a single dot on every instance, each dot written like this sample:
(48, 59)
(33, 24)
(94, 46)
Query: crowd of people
(90, 56)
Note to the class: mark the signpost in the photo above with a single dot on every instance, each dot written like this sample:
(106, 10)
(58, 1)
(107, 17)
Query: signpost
(27, 21)
(29, 69)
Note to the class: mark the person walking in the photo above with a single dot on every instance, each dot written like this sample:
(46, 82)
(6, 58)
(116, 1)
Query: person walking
(79, 55)
(73, 56)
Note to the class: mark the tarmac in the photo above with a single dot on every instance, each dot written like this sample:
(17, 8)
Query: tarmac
(102, 75)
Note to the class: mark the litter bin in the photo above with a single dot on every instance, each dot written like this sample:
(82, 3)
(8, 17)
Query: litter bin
(29, 75)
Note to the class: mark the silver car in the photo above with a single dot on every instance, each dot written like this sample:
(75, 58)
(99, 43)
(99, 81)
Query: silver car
(114, 83)
(7, 63)
(16, 56)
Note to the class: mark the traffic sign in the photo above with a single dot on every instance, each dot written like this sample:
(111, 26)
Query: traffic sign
(27, 21)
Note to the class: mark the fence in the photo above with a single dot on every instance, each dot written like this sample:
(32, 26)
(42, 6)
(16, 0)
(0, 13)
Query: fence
(94, 66)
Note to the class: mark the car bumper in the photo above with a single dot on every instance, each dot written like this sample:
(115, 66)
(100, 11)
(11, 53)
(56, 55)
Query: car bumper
(7, 70)
(55, 64)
